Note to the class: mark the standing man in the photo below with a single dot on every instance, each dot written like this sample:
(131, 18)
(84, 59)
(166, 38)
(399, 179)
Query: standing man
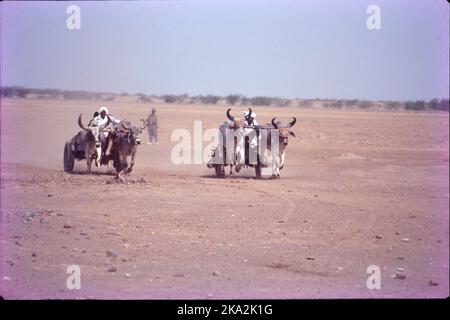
(152, 127)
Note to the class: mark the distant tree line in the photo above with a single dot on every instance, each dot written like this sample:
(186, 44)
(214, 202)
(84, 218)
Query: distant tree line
(21, 92)
(232, 99)
(419, 105)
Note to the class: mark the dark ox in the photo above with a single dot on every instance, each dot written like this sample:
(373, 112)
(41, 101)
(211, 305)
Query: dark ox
(123, 141)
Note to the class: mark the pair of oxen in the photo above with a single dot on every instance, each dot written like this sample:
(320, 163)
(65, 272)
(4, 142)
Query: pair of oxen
(110, 142)
(257, 146)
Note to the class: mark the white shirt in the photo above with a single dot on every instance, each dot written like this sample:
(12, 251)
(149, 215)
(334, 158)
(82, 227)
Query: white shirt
(99, 121)
(251, 133)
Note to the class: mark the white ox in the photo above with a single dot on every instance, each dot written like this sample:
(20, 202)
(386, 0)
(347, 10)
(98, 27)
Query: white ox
(278, 157)
(237, 142)
(89, 140)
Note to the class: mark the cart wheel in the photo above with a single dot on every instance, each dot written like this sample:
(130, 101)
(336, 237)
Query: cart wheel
(258, 171)
(69, 159)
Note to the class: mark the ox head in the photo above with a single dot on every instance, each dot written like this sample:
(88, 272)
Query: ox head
(284, 130)
(93, 128)
(238, 125)
(132, 132)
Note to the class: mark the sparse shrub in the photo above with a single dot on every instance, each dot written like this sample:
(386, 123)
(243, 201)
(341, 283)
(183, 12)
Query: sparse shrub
(144, 99)
(305, 103)
(15, 91)
(352, 102)
(334, 104)
(364, 105)
(261, 101)
(393, 105)
(7, 92)
(22, 92)
(209, 99)
(80, 95)
(279, 102)
(172, 98)
(415, 105)
(245, 101)
(232, 98)
(442, 105)
(169, 98)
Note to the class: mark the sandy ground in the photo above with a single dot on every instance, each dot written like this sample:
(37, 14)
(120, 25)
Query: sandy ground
(358, 189)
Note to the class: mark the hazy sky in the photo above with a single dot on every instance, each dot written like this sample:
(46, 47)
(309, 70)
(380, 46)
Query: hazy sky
(305, 49)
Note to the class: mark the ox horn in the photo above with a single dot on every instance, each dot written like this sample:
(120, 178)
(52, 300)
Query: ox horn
(249, 113)
(80, 122)
(291, 124)
(229, 116)
(274, 123)
(125, 127)
(145, 124)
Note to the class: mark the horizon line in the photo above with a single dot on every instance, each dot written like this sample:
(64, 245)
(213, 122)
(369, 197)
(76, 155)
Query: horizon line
(122, 93)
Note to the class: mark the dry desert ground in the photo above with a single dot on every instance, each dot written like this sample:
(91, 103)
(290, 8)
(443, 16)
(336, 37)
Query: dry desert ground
(358, 189)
